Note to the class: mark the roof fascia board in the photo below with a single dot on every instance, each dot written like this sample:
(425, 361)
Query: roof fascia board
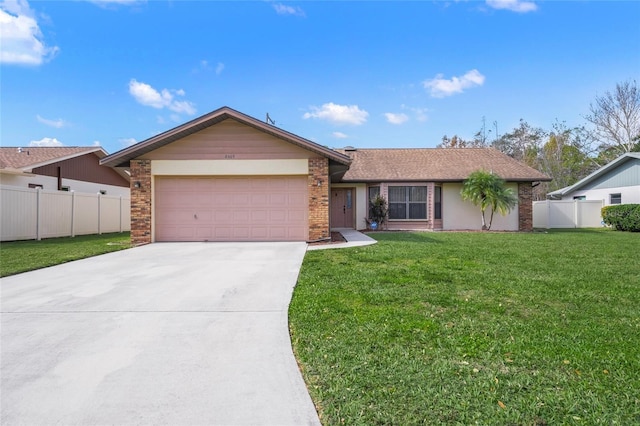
(17, 172)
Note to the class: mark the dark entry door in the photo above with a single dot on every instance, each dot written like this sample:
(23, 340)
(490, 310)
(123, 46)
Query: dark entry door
(342, 208)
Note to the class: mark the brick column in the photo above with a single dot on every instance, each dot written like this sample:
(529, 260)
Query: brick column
(525, 206)
(318, 199)
(140, 202)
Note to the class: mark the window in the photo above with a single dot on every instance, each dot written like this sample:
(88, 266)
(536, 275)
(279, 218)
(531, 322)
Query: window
(35, 185)
(374, 191)
(65, 188)
(103, 192)
(407, 202)
(580, 197)
(437, 202)
(615, 198)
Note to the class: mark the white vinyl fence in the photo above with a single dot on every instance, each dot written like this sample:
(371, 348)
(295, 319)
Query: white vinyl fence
(34, 214)
(567, 214)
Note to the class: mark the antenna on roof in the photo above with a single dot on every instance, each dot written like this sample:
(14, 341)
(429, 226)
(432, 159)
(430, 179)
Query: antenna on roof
(269, 120)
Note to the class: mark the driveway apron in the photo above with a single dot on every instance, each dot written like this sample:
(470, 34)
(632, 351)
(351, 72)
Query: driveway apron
(173, 333)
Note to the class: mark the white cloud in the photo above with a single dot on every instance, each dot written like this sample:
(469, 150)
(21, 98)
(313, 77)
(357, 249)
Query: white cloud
(46, 142)
(394, 118)
(440, 87)
(147, 95)
(219, 68)
(282, 9)
(338, 114)
(339, 135)
(22, 40)
(518, 6)
(59, 123)
(97, 143)
(127, 141)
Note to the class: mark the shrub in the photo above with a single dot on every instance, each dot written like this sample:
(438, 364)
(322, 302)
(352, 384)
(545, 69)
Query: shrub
(378, 210)
(623, 217)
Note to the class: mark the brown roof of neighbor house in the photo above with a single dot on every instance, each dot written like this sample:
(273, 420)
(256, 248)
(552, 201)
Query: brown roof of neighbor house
(122, 157)
(27, 158)
(434, 164)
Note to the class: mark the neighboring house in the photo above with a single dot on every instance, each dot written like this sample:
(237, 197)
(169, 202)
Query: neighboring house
(226, 176)
(61, 168)
(617, 182)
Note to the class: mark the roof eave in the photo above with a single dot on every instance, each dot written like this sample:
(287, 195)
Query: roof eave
(18, 172)
(99, 151)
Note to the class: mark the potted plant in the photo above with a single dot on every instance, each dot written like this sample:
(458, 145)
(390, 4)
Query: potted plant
(377, 213)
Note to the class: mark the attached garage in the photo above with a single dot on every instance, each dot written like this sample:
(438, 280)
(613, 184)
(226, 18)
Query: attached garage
(226, 176)
(268, 208)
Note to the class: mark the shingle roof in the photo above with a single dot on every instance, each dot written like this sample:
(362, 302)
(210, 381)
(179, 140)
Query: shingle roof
(27, 158)
(434, 164)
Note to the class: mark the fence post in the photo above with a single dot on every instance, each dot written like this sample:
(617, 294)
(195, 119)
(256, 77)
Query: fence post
(73, 213)
(99, 213)
(548, 213)
(576, 214)
(38, 213)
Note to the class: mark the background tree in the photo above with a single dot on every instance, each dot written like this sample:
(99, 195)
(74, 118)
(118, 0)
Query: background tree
(488, 190)
(566, 157)
(480, 139)
(523, 143)
(568, 154)
(457, 142)
(616, 117)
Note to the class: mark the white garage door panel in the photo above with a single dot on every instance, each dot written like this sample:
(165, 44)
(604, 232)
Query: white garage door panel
(231, 209)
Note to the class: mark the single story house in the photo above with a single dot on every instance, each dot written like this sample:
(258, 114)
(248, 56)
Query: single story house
(227, 176)
(61, 168)
(617, 182)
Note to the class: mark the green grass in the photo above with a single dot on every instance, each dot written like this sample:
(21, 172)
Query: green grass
(23, 256)
(473, 328)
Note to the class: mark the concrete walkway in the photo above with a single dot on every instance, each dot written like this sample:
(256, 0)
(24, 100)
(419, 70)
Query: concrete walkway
(173, 333)
(353, 237)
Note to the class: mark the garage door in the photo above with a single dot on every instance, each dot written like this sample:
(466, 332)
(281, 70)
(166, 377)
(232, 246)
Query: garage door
(231, 209)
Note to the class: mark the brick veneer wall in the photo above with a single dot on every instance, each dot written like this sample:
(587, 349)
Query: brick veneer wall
(140, 202)
(525, 206)
(318, 199)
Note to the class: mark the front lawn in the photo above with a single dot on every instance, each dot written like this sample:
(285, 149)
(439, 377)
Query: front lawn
(23, 256)
(473, 328)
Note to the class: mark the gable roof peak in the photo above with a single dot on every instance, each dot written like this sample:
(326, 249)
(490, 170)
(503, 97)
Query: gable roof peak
(123, 157)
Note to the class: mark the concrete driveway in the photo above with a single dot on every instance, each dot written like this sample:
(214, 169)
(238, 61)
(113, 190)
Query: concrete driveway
(173, 333)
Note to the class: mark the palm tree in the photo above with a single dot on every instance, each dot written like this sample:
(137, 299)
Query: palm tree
(488, 190)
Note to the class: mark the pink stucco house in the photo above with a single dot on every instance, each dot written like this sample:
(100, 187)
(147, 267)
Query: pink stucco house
(227, 176)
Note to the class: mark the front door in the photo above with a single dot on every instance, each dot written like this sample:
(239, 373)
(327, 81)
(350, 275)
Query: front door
(342, 208)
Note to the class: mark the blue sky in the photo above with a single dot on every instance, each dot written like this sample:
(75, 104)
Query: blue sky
(366, 74)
